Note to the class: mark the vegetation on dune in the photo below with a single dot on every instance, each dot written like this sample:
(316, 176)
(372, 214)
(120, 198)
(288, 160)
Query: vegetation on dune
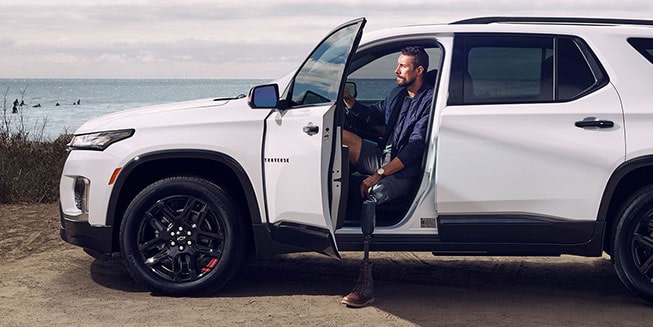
(30, 166)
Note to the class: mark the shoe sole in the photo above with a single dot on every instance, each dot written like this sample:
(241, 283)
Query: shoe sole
(357, 305)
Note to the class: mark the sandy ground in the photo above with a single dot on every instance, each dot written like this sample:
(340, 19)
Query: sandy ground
(46, 282)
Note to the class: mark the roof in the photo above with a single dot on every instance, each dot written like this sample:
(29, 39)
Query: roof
(554, 20)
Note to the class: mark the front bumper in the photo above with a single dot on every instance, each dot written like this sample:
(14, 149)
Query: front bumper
(96, 240)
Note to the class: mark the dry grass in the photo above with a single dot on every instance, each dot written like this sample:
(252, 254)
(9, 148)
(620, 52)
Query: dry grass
(30, 170)
(30, 166)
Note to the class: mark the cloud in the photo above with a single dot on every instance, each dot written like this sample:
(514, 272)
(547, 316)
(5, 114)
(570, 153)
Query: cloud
(111, 58)
(61, 58)
(224, 37)
(7, 42)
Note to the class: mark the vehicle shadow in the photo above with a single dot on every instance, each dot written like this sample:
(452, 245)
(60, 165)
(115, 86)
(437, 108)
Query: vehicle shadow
(424, 289)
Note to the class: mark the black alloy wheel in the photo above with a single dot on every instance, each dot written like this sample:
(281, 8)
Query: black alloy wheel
(182, 236)
(633, 245)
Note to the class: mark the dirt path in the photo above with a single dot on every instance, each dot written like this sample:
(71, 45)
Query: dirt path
(46, 282)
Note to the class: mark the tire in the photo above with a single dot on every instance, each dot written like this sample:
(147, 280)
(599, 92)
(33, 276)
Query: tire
(633, 244)
(182, 236)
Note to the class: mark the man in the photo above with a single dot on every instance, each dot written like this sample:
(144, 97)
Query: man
(392, 167)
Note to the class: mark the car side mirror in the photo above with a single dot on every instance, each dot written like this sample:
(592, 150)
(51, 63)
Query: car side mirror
(350, 87)
(264, 96)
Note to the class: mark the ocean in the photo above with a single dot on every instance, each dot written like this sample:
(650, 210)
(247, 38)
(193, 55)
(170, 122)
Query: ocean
(51, 105)
(96, 97)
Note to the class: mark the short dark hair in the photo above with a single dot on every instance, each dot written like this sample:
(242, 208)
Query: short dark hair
(420, 57)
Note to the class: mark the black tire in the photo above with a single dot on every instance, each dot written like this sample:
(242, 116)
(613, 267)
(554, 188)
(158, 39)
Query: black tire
(182, 236)
(632, 254)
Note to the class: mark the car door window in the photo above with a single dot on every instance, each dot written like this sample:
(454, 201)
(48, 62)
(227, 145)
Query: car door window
(318, 80)
(376, 79)
(574, 74)
(494, 69)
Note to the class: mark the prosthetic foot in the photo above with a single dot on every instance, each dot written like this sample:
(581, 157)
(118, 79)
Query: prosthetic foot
(363, 293)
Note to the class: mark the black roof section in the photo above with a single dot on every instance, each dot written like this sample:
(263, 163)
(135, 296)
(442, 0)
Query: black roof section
(555, 20)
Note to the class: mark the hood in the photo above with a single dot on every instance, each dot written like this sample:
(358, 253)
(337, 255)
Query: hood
(131, 118)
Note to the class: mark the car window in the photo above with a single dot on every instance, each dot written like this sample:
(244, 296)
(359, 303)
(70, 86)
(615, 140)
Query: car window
(492, 69)
(643, 46)
(376, 79)
(574, 74)
(318, 79)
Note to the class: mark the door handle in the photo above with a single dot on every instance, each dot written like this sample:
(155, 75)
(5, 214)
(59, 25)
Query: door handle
(594, 123)
(311, 129)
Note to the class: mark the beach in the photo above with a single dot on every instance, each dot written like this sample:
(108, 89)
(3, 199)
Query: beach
(47, 282)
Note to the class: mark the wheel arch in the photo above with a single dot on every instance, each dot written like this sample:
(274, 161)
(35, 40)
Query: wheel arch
(145, 169)
(629, 177)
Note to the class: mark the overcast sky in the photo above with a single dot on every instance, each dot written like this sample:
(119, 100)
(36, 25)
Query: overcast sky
(221, 38)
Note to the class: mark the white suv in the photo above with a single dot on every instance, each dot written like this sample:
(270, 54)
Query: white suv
(540, 143)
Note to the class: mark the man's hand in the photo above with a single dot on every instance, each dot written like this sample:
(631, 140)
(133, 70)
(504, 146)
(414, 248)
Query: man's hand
(367, 184)
(392, 167)
(348, 99)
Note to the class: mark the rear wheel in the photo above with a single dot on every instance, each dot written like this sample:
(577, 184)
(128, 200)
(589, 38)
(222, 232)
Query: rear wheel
(182, 236)
(633, 244)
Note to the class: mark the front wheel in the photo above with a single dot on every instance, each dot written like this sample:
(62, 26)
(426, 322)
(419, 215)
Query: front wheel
(633, 244)
(182, 236)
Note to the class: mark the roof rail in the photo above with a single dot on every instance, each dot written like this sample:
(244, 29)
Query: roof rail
(553, 20)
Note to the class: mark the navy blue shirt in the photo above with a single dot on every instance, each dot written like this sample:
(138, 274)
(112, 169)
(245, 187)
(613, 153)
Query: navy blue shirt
(408, 135)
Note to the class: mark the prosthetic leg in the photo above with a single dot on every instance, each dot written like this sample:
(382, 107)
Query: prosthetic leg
(363, 292)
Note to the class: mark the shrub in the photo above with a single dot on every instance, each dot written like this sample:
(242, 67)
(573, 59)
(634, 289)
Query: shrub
(30, 166)
(30, 170)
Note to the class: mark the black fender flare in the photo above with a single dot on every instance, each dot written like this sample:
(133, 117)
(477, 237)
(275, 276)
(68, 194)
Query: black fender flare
(616, 178)
(217, 157)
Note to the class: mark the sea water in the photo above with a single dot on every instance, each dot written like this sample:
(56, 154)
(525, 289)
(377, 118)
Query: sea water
(57, 106)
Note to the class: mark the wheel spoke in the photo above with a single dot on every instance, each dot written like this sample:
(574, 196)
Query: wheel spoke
(184, 268)
(190, 213)
(646, 267)
(168, 214)
(192, 267)
(151, 244)
(644, 240)
(201, 215)
(155, 223)
(205, 250)
(151, 261)
(217, 236)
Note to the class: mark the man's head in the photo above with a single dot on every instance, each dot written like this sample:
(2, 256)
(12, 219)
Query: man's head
(411, 66)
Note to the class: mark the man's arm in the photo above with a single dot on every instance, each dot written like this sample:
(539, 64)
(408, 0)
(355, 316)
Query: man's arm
(374, 114)
(392, 167)
(414, 148)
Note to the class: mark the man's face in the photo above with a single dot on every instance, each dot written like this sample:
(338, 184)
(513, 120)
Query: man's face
(406, 72)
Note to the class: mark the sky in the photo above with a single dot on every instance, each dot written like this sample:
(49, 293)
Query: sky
(223, 38)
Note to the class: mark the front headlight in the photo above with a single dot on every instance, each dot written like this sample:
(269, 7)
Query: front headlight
(99, 140)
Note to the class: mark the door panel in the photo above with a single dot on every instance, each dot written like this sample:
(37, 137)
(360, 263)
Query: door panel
(294, 167)
(529, 158)
(301, 169)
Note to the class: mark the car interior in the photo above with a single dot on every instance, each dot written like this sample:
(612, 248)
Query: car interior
(370, 80)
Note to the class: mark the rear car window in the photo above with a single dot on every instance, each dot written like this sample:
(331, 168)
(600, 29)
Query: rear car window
(643, 46)
(495, 69)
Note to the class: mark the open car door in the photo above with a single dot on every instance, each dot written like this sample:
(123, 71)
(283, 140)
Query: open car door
(302, 149)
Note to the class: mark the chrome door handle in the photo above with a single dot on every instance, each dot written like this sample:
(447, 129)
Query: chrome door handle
(311, 129)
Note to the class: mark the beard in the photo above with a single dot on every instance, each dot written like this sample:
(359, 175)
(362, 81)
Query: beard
(404, 82)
